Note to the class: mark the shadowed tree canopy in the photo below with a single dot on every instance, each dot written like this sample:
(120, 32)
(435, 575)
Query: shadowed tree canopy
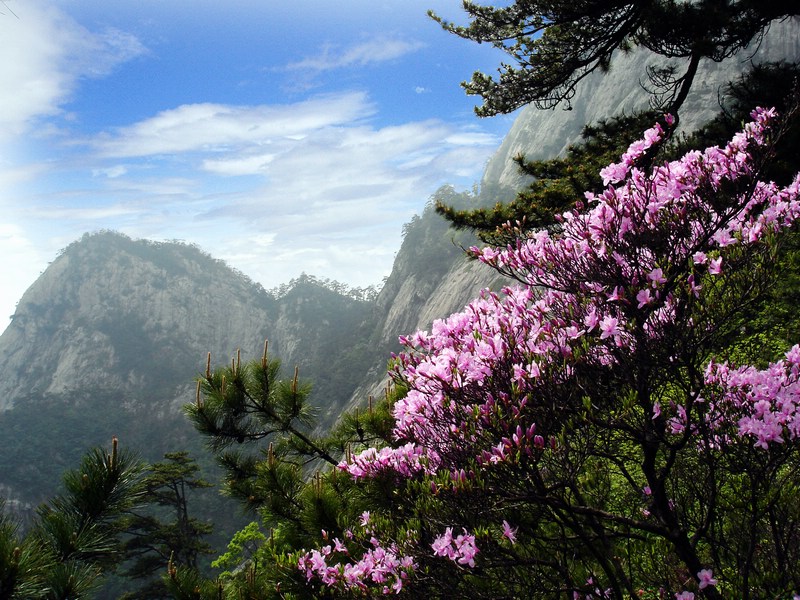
(555, 44)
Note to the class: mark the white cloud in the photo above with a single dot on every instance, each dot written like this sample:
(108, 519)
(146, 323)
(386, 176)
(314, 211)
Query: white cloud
(110, 172)
(243, 165)
(216, 127)
(45, 53)
(323, 147)
(22, 260)
(370, 52)
(320, 152)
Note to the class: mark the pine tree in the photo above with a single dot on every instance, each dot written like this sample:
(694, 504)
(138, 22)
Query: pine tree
(260, 427)
(553, 45)
(75, 537)
(165, 533)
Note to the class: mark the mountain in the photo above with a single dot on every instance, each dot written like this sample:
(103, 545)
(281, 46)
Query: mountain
(109, 339)
(117, 314)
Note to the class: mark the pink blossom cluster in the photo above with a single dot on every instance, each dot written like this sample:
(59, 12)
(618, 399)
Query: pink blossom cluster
(405, 460)
(616, 248)
(617, 278)
(767, 401)
(616, 275)
(383, 566)
(616, 172)
(460, 549)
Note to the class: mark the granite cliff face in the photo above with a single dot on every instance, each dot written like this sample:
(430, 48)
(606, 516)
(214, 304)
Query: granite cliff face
(127, 316)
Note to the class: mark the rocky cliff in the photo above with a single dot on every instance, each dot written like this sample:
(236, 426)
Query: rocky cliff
(128, 316)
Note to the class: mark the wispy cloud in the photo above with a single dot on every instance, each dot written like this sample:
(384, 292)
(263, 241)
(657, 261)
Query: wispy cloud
(370, 52)
(217, 127)
(45, 53)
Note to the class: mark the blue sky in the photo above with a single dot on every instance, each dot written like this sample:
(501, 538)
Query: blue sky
(282, 137)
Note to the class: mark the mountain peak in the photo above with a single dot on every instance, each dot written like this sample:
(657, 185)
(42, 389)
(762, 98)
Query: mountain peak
(120, 313)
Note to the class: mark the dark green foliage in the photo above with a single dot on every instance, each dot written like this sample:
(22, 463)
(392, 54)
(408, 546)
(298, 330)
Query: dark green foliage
(165, 533)
(335, 322)
(553, 45)
(21, 565)
(251, 402)
(75, 538)
(33, 470)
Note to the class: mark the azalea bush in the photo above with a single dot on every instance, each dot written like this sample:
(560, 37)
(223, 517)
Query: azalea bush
(597, 430)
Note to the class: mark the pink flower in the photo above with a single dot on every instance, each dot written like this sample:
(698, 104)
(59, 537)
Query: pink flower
(609, 327)
(656, 276)
(509, 532)
(461, 550)
(466, 549)
(457, 375)
(616, 295)
(591, 320)
(614, 173)
(644, 297)
(705, 577)
(442, 545)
